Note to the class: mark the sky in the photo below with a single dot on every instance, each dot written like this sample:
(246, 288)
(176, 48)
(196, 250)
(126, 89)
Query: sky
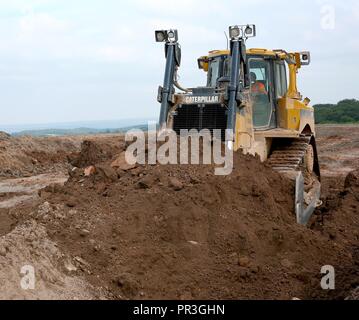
(85, 60)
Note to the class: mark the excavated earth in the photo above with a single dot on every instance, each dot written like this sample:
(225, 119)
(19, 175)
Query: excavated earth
(178, 232)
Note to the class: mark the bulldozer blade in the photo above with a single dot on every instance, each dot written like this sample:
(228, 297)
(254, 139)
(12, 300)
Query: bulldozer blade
(305, 211)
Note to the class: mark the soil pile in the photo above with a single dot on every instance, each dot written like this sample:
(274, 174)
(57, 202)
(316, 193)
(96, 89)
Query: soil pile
(27, 156)
(180, 232)
(338, 219)
(4, 136)
(96, 152)
(29, 246)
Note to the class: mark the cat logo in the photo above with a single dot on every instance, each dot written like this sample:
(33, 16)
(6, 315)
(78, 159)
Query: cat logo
(201, 99)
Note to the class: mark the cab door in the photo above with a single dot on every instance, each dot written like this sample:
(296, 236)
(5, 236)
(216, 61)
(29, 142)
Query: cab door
(280, 80)
(261, 86)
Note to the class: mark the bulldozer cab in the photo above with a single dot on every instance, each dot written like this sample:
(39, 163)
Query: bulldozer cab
(267, 83)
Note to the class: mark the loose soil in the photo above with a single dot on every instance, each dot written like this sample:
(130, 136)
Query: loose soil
(180, 232)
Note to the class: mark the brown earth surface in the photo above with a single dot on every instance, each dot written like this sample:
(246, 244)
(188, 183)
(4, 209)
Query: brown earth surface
(177, 232)
(338, 149)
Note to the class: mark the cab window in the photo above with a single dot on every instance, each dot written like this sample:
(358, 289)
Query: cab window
(280, 79)
(218, 68)
(259, 73)
(214, 72)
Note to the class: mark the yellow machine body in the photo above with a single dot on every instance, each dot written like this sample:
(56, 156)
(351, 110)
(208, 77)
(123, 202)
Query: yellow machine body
(253, 94)
(295, 117)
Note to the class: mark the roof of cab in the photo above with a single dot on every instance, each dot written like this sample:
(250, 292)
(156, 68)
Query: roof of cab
(254, 51)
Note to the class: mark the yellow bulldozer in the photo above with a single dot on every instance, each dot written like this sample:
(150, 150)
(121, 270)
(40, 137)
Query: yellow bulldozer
(252, 95)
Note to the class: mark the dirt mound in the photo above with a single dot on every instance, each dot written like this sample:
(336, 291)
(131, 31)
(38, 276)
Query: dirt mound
(338, 219)
(159, 232)
(91, 152)
(26, 156)
(352, 180)
(4, 136)
(28, 246)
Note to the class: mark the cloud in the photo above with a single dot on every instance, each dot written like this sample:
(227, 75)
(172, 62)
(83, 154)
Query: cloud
(117, 54)
(43, 36)
(184, 7)
(101, 53)
(40, 25)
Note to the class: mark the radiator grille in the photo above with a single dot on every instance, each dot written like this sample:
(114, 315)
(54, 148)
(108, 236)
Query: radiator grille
(200, 117)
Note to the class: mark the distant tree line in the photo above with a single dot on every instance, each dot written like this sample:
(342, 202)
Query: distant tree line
(346, 111)
(76, 131)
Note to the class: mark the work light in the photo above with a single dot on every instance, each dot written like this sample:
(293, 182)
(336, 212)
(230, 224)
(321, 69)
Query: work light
(305, 58)
(242, 32)
(250, 31)
(160, 36)
(172, 35)
(166, 35)
(235, 32)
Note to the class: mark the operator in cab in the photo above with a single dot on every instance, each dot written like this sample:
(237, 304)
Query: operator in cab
(257, 87)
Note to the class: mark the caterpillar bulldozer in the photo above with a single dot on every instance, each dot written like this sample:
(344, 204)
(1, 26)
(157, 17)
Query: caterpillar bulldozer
(252, 95)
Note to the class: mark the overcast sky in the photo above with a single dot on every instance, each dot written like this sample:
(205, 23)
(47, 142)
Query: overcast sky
(85, 60)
